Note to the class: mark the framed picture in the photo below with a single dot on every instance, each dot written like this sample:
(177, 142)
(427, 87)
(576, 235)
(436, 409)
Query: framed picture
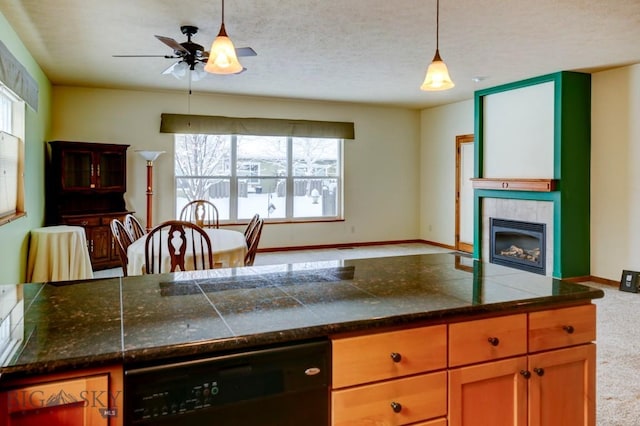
(629, 281)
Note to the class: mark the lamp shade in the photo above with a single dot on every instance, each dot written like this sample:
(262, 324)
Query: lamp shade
(222, 56)
(180, 70)
(437, 77)
(150, 155)
(198, 72)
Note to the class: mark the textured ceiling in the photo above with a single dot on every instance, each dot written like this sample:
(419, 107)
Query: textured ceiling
(369, 51)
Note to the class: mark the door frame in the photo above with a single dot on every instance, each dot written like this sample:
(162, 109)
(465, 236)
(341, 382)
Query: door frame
(460, 139)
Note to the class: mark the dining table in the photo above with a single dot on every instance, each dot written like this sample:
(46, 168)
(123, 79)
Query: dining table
(58, 253)
(229, 248)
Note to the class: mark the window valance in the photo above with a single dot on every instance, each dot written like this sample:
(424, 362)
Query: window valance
(219, 125)
(17, 78)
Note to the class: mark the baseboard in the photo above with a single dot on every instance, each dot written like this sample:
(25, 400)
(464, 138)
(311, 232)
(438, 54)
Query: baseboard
(348, 245)
(604, 281)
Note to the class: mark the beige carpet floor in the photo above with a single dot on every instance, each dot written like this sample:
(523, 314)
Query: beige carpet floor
(618, 358)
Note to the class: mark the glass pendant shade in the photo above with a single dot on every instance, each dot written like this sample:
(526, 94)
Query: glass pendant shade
(198, 72)
(222, 56)
(180, 70)
(437, 77)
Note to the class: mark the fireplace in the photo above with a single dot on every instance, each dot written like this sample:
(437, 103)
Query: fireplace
(520, 245)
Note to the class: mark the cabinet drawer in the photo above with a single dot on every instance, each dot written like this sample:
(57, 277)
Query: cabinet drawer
(380, 356)
(82, 221)
(487, 339)
(106, 220)
(561, 327)
(418, 398)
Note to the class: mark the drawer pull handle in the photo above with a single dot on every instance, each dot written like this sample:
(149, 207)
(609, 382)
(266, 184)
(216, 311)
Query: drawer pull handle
(568, 328)
(539, 371)
(494, 341)
(396, 407)
(526, 374)
(396, 357)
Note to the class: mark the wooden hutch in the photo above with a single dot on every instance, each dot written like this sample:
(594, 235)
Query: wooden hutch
(85, 186)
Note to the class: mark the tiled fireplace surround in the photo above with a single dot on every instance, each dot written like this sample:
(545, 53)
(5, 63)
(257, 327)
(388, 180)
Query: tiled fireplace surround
(563, 205)
(522, 210)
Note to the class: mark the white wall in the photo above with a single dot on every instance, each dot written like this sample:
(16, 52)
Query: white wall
(615, 172)
(381, 164)
(439, 128)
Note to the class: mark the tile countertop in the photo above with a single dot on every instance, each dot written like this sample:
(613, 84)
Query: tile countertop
(58, 326)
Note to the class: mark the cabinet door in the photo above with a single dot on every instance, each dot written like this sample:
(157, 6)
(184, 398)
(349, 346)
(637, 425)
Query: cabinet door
(111, 171)
(493, 393)
(69, 402)
(562, 387)
(99, 238)
(77, 170)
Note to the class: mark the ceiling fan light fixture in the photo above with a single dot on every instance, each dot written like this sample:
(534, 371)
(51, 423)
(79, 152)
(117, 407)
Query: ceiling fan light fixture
(198, 72)
(180, 70)
(437, 77)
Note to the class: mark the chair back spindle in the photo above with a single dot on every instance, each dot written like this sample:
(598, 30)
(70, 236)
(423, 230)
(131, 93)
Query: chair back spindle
(201, 212)
(188, 247)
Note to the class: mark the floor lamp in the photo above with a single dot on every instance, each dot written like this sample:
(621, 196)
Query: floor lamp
(150, 156)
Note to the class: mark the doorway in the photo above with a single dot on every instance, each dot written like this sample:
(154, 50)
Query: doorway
(464, 193)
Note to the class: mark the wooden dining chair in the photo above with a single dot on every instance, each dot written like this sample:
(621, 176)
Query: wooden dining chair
(186, 245)
(134, 227)
(250, 226)
(123, 241)
(253, 241)
(201, 212)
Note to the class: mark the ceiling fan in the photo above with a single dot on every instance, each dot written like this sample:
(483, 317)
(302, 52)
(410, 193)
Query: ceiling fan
(190, 55)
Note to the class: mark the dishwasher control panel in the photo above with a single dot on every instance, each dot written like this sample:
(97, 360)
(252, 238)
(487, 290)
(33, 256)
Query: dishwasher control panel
(265, 386)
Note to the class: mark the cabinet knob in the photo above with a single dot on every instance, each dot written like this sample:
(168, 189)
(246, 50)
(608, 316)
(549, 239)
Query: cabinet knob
(396, 357)
(526, 374)
(494, 341)
(539, 371)
(396, 407)
(568, 328)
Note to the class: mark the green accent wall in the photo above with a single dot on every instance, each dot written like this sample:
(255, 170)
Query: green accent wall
(572, 156)
(15, 235)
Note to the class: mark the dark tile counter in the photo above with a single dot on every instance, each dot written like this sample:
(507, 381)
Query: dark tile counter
(57, 326)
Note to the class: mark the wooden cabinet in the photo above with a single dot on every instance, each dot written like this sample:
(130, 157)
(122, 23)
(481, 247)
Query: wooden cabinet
(551, 383)
(85, 186)
(90, 397)
(390, 378)
(535, 368)
(100, 242)
(90, 166)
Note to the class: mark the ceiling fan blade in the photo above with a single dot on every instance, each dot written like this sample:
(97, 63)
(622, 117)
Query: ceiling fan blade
(245, 51)
(144, 56)
(177, 47)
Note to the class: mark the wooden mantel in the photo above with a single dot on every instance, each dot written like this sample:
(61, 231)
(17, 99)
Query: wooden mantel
(515, 184)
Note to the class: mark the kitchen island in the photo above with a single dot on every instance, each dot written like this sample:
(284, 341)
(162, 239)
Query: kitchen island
(441, 300)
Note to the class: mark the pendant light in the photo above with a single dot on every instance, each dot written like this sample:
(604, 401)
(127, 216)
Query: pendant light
(222, 55)
(437, 77)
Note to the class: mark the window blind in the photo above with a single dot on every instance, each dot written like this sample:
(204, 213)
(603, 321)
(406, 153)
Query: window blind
(17, 78)
(219, 125)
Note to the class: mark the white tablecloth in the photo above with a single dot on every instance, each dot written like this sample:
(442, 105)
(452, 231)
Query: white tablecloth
(229, 248)
(58, 253)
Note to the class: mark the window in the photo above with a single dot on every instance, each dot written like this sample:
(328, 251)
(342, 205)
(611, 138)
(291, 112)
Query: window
(280, 178)
(11, 156)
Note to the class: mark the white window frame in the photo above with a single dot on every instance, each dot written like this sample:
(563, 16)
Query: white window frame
(290, 177)
(12, 122)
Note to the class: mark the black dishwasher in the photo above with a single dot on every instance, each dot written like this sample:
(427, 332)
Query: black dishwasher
(285, 385)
